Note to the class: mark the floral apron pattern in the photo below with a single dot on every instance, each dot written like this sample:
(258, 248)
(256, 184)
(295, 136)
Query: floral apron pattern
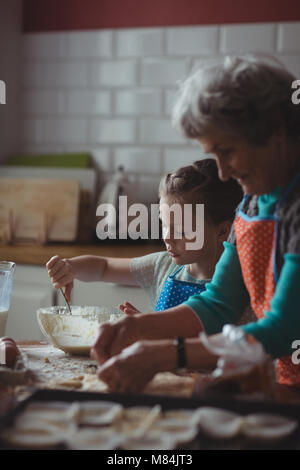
(175, 292)
(256, 245)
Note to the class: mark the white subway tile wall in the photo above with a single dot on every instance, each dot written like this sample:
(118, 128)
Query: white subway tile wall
(90, 44)
(141, 101)
(162, 72)
(112, 131)
(64, 130)
(248, 37)
(140, 42)
(88, 102)
(192, 41)
(173, 157)
(158, 131)
(288, 37)
(111, 92)
(139, 159)
(116, 73)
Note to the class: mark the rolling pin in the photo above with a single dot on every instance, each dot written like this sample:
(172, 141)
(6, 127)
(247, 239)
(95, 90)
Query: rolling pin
(8, 352)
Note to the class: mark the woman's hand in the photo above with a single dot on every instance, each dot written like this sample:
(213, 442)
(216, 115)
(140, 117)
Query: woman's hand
(135, 366)
(128, 308)
(61, 274)
(113, 337)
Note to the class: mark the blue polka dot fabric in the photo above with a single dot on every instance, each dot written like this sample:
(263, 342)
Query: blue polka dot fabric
(175, 292)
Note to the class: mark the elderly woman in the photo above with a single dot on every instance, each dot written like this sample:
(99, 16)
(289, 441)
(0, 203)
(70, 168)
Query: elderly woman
(240, 111)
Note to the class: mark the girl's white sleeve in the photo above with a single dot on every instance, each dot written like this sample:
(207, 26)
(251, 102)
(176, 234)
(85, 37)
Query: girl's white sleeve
(149, 272)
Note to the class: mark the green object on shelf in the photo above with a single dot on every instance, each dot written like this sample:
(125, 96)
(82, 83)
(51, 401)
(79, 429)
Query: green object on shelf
(63, 160)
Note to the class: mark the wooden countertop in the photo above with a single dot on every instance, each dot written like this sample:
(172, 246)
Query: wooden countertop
(39, 255)
(283, 394)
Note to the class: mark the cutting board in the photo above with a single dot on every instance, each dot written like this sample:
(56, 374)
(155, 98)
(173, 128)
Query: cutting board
(39, 209)
(88, 190)
(86, 176)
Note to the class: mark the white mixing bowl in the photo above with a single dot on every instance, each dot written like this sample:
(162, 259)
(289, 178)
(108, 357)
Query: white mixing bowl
(74, 334)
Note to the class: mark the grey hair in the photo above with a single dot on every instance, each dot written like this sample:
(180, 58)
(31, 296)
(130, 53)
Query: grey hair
(246, 96)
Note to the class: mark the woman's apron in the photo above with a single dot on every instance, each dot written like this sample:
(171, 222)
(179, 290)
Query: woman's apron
(256, 239)
(175, 292)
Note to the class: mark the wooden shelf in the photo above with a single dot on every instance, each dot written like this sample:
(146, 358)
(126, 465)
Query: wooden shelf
(39, 255)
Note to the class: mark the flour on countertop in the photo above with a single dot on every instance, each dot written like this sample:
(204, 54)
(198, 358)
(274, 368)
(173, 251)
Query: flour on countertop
(48, 363)
(62, 371)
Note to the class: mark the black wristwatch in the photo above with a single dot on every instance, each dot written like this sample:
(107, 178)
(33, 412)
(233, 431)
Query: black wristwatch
(181, 355)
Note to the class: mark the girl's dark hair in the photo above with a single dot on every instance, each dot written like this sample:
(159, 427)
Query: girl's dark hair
(199, 183)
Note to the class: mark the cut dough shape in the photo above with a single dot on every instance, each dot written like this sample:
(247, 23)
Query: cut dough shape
(185, 416)
(268, 427)
(32, 439)
(73, 413)
(91, 439)
(218, 423)
(29, 423)
(153, 414)
(73, 383)
(176, 434)
(99, 413)
(136, 414)
(92, 383)
(179, 425)
(137, 419)
(155, 431)
(173, 425)
(50, 416)
(150, 441)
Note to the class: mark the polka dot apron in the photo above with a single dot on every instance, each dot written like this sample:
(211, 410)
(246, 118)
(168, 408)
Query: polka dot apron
(175, 291)
(256, 245)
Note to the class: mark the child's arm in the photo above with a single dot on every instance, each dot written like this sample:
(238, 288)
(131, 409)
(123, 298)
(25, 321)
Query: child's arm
(89, 269)
(99, 268)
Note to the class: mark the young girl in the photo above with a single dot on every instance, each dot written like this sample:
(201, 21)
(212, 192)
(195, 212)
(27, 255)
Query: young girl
(172, 276)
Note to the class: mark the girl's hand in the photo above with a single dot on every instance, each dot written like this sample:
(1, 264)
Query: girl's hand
(136, 365)
(128, 308)
(61, 274)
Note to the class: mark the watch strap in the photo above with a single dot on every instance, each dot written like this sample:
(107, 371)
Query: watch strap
(181, 353)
